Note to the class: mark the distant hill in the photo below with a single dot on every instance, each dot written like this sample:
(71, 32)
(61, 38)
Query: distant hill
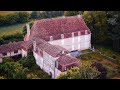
(10, 12)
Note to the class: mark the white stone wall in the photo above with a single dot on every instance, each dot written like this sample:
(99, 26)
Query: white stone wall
(57, 73)
(12, 53)
(47, 63)
(74, 43)
(24, 53)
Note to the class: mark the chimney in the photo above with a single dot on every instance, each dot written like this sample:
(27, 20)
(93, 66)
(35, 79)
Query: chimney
(38, 50)
(63, 51)
(28, 29)
(34, 45)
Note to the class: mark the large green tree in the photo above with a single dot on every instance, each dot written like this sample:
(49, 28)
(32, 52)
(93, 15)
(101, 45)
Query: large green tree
(85, 71)
(13, 70)
(114, 28)
(72, 13)
(97, 22)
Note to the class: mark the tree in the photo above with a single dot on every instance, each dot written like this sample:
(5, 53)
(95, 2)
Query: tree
(114, 28)
(97, 22)
(28, 61)
(13, 70)
(35, 15)
(23, 17)
(85, 71)
(72, 13)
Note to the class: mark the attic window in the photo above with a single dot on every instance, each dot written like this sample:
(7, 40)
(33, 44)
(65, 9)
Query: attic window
(72, 34)
(79, 33)
(16, 51)
(86, 32)
(62, 36)
(65, 69)
(4, 54)
(56, 64)
(51, 38)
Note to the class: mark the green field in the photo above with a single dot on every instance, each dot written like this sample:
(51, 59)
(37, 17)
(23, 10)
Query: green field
(10, 30)
(10, 12)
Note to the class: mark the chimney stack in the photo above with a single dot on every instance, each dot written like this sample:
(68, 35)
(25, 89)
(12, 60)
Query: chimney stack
(28, 29)
(34, 45)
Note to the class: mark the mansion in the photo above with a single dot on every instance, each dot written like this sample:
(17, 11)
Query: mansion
(52, 42)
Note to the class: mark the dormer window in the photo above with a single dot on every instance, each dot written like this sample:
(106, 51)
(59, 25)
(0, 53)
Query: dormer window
(51, 38)
(62, 36)
(63, 51)
(4, 54)
(34, 45)
(79, 33)
(72, 34)
(65, 68)
(86, 32)
(16, 51)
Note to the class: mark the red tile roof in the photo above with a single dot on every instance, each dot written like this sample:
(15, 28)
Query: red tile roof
(53, 50)
(68, 62)
(11, 47)
(27, 45)
(57, 26)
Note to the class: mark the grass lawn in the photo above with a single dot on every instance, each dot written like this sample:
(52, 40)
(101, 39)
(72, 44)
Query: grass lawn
(11, 30)
(113, 66)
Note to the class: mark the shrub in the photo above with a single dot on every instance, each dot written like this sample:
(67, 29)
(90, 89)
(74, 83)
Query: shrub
(18, 17)
(85, 71)
(14, 70)
(28, 61)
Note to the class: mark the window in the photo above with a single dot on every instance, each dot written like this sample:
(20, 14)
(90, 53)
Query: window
(62, 36)
(86, 32)
(72, 34)
(51, 38)
(16, 51)
(79, 39)
(79, 33)
(62, 42)
(72, 47)
(65, 69)
(73, 40)
(78, 46)
(4, 54)
(34, 45)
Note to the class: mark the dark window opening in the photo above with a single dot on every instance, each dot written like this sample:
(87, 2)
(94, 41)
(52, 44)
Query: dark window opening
(4, 54)
(16, 51)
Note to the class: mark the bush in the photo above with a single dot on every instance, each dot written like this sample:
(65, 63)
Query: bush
(18, 17)
(23, 17)
(85, 71)
(28, 61)
(14, 70)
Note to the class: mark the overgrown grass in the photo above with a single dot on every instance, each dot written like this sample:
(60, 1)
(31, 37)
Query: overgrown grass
(11, 30)
(37, 73)
(112, 66)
